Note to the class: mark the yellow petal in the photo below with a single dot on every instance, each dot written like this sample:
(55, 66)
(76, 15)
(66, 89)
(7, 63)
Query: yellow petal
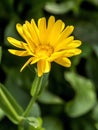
(39, 68)
(63, 36)
(67, 31)
(34, 60)
(22, 30)
(64, 53)
(63, 61)
(51, 22)
(28, 38)
(33, 33)
(55, 32)
(18, 53)
(42, 30)
(16, 43)
(63, 44)
(28, 49)
(72, 52)
(43, 67)
(56, 55)
(28, 61)
(46, 66)
(73, 44)
(19, 28)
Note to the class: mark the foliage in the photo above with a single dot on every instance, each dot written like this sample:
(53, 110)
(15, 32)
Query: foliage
(70, 98)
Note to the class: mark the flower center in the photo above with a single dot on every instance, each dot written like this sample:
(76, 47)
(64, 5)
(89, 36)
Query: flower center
(43, 51)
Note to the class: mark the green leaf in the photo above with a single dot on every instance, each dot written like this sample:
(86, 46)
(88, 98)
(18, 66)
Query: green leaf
(61, 8)
(95, 2)
(35, 110)
(2, 114)
(85, 96)
(9, 105)
(95, 113)
(49, 98)
(52, 123)
(0, 53)
(21, 83)
(84, 123)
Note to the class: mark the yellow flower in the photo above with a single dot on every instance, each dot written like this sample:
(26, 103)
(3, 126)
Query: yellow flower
(45, 43)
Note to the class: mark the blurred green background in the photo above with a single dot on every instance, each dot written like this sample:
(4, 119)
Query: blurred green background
(70, 100)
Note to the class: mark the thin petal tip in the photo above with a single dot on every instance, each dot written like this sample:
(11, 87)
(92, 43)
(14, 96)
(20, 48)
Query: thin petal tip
(9, 39)
(10, 50)
(18, 25)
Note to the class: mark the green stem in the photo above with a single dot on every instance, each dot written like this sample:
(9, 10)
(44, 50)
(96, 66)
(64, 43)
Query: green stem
(9, 107)
(30, 106)
(37, 86)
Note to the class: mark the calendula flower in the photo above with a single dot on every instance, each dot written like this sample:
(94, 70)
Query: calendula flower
(45, 43)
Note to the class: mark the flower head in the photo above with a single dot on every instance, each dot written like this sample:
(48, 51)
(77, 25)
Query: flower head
(45, 43)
